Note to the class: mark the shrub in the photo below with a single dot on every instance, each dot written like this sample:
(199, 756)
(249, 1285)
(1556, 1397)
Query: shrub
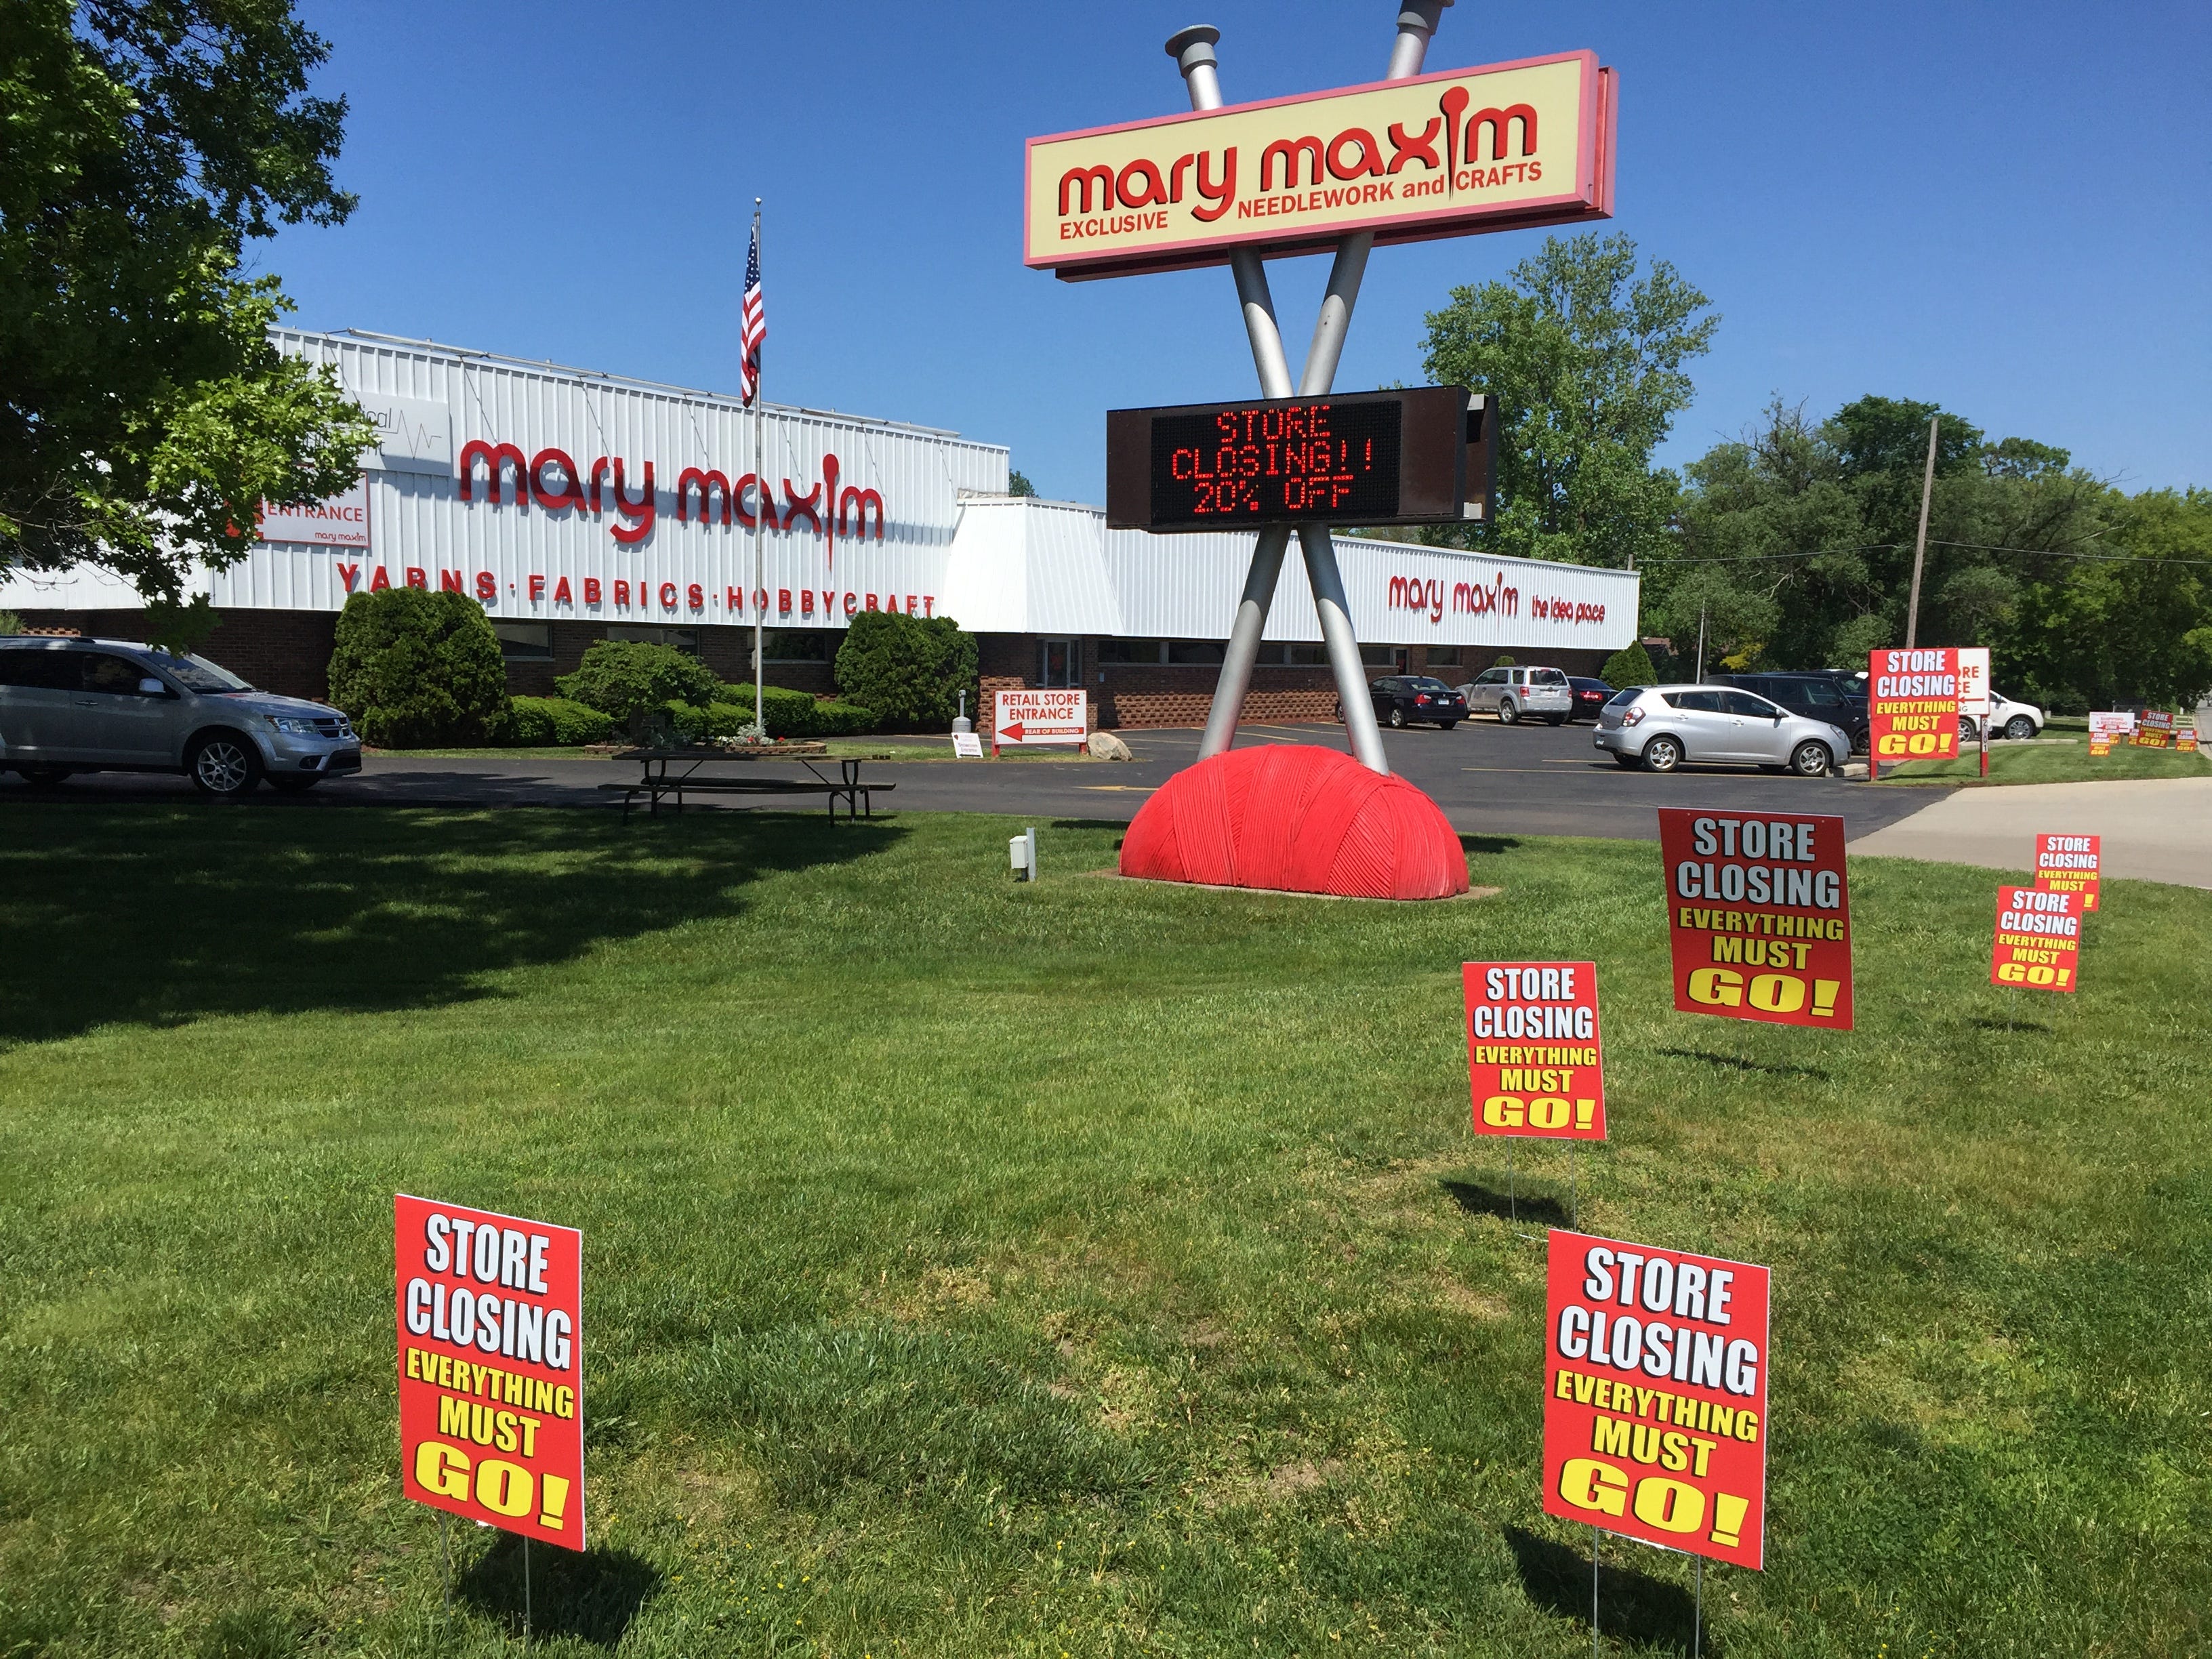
(910, 671)
(797, 714)
(622, 678)
(415, 668)
(11, 622)
(1630, 665)
(542, 722)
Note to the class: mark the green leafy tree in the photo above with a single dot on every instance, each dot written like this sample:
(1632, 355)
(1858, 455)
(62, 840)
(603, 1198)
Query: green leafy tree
(1630, 665)
(143, 412)
(622, 678)
(1017, 483)
(908, 670)
(415, 668)
(1585, 361)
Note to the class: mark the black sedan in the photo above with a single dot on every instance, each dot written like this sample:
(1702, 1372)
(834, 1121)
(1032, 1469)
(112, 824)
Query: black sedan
(1408, 699)
(1590, 695)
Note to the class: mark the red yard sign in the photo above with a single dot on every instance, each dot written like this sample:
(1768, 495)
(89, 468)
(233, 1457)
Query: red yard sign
(1759, 913)
(1532, 1053)
(2038, 939)
(491, 1404)
(2069, 863)
(1913, 705)
(1655, 1395)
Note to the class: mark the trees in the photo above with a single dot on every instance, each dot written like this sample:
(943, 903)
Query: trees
(1017, 483)
(415, 668)
(909, 671)
(1585, 360)
(143, 414)
(623, 677)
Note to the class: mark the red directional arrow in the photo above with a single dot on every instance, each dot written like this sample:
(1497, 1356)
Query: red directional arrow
(1012, 733)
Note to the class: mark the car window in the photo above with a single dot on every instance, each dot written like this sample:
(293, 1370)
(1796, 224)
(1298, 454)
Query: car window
(1491, 677)
(1386, 684)
(42, 669)
(1743, 702)
(1705, 702)
(1426, 683)
(1518, 676)
(1547, 676)
(116, 677)
(1627, 694)
(1822, 693)
(198, 674)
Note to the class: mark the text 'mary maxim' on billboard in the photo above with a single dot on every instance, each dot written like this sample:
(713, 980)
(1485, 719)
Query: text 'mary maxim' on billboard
(1655, 1395)
(1535, 1060)
(1758, 913)
(1466, 150)
(491, 1398)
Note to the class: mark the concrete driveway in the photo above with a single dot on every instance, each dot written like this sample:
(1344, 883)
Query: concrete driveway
(2154, 829)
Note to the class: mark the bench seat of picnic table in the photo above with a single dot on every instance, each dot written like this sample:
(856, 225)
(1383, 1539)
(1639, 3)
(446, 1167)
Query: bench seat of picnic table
(855, 794)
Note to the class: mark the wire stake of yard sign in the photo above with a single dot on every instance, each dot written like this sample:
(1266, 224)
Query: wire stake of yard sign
(525, 1592)
(1596, 1538)
(446, 1574)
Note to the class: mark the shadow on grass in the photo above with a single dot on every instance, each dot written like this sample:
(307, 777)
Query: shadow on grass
(1487, 844)
(593, 1596)
(1738, 1063)
(162, 915)
(1988, 1023)
(1633, 1608)
(1507, 1207)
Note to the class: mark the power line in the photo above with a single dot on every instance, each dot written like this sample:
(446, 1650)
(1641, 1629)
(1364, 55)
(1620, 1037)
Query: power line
(1879, 547)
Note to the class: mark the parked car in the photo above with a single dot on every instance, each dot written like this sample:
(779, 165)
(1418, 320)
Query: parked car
(2017, 720)
(1661, 727)
(1817, 693)
(1517, 694)
(71, 705)
(1403, 699)
(1591, 696)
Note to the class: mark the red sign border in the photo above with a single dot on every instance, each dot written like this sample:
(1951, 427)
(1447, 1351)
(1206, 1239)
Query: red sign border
(1597, 1042)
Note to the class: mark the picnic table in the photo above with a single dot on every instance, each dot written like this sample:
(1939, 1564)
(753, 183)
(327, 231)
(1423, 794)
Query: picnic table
(681, 772)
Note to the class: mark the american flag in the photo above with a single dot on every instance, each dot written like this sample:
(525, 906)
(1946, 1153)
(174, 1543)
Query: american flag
(755, 327)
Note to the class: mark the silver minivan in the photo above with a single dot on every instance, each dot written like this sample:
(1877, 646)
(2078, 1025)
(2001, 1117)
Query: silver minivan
(73, 705)
(1659, 727)
(1514, 694)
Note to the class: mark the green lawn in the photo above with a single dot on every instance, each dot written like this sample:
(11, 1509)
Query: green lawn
(903, 749)
(2052, 761)
(1082, 1269)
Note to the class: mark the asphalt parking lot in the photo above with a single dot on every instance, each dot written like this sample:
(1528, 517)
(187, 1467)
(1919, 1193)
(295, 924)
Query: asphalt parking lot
(1531, 780)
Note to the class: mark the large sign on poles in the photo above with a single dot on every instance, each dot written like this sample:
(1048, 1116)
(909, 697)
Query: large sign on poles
(2038, 939)
(1913, 705)
(1498, 147)
(1533, 1055)
(1030, 717)
(2069, 863)
(1759, 913)
(1655, 1395)
(491, 1398)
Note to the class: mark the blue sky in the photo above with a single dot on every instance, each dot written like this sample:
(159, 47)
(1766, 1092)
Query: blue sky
(2005, 208)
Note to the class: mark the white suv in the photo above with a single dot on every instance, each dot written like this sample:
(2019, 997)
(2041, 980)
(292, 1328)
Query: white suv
(2017, 720)
(1512, 693)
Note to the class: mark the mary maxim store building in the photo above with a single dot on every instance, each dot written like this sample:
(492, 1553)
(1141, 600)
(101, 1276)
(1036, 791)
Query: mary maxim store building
(578, 507)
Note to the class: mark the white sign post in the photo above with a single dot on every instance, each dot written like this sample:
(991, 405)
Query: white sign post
(1027, 717)
(1974, 694)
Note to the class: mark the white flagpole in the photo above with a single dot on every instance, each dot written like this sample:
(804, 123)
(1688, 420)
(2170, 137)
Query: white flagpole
(760, 503)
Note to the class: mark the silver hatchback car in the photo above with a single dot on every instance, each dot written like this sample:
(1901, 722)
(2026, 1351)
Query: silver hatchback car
(71, 705)
(1659, 727)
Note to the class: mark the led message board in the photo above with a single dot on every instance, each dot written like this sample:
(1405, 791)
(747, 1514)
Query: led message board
(1425, 455)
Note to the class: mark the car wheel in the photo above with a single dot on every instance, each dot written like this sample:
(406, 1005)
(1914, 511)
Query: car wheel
(2020, 728)
(1966, 728)
(1811, 760)
(1507, 713)
(1662, 755)
(43, 777)
(1397, 719)
(225, 766)
(294, 783)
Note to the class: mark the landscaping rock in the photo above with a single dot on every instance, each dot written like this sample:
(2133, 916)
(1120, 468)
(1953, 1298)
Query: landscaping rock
(1104, 746)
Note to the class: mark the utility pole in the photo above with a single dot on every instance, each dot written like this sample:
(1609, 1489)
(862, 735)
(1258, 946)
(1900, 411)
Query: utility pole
(1920, 545)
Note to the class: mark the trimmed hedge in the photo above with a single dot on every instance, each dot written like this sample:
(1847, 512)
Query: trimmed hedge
(790, 714)
(416, 669)
(1630, 665)
(910, 670)
(622, 677)
(545, 722)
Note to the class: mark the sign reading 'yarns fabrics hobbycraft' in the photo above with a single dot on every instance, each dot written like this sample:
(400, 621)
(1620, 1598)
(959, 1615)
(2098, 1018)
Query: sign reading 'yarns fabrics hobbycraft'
(491, 1403)
(2038, 939)
(1041, 717)
(1655, 1395)
(1759, 913)
(1913, 705)
(2069, 863)
(1444, 154)
(1532, 1053)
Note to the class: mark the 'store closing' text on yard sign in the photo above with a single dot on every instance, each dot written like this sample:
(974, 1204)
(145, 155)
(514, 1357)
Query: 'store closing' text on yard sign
(2069, 863)
(1655, 1395)
(1532, 1053)
(1041, 717)
(2038, 939)
(491, 1404)
(1759, 916)
(1493, 149)
(1913, 705)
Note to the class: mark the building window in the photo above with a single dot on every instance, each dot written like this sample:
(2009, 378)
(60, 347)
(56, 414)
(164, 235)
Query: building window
(1282, 654)
(1195, 652)
(525, 642)
(1059, 663)
(1126, 651)
(1384, 656)
(797, 644)
(685, 640)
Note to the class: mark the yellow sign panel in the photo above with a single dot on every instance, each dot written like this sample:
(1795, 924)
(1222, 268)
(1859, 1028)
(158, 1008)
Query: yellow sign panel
(1445, 155)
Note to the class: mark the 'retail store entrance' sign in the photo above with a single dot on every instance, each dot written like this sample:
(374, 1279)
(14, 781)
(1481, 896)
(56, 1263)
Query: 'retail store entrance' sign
(491, 1397)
